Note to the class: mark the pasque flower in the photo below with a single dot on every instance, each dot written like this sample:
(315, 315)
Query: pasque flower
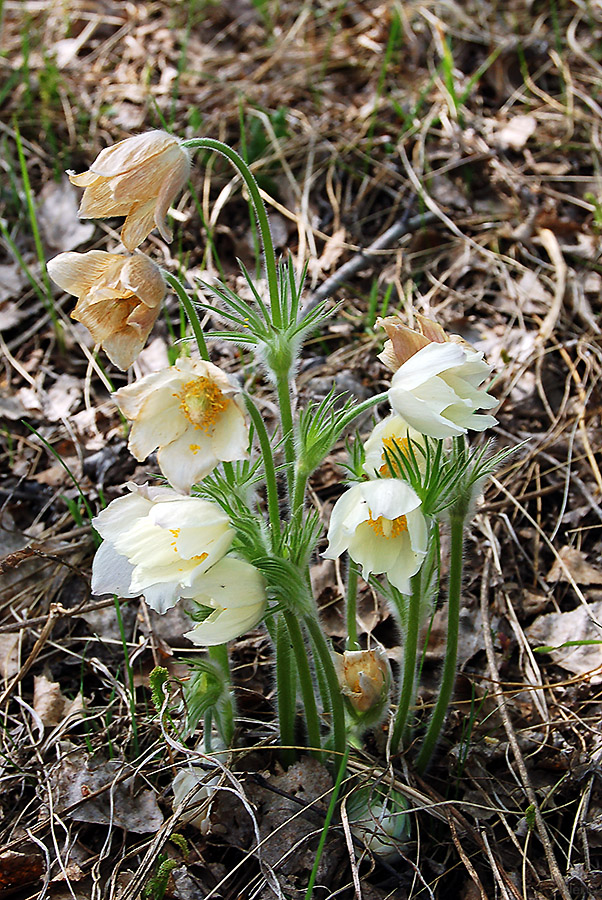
(235, 591)
(158, 543)
(198, 802)
(119, 298)
(365, 677)
(138, 178)
(390, 438)
(436, 387)
(382, 527)
(193, 413)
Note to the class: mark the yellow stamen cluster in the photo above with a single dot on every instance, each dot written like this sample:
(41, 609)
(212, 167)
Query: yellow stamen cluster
(202, 402)
(392, 447)
(388, 528)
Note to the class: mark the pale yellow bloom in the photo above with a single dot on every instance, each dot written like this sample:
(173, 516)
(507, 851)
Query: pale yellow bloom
(380, 524)
(193, 413)
(389, 438)
(119, 298)
(365, 677)
(436, 387)
(198, 802)
(236, 592)
(158, 543)
(138, 178)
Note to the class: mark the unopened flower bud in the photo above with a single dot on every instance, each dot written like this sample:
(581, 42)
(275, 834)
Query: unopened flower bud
(365, 678)
(378, 818)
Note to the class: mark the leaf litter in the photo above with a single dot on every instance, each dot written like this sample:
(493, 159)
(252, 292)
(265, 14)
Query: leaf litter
(503, 141)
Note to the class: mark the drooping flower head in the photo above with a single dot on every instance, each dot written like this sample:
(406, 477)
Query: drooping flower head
(138, 178)
(436, 387)
(119, 298)
(390, 438)
(365, 678)
(157, 543)
(193, 413)
(382, 527)
(236, 592)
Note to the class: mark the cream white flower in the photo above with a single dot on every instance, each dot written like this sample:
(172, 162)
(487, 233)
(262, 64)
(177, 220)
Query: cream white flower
(198, 804)
(138, 178)
(119, 298)
(436, 387)
(389, 438)
(193, 413)
(382, 527)
(437, 391)
(235, 590)
(157, 543)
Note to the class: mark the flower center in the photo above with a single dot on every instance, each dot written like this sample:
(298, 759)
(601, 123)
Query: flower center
(392, 448)
(202, 402)
(388, 528)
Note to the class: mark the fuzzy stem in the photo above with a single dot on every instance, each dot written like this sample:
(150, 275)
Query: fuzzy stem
(410, 652)
(191, 312)
(307, 687)
(287, 693)
(260, 211)
(225, 721)
(448, 677)
(286, 421)
(334, 689)
(269, 469)
(351, 607)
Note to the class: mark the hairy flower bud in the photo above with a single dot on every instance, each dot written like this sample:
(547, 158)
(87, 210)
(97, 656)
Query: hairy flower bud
(365, 678)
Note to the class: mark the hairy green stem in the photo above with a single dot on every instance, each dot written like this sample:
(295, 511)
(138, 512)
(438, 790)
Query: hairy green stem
(336, 698)
(130, 675)
(410, 653)
(286, 420)
(351, 606)
(269, 469)
(287, 692)
(307, 686)
(448, 677)
(191, 313)
(219, 655)
(260, 211)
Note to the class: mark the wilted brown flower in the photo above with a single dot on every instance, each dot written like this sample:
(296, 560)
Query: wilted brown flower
(138, 178)
(119, 298)
(404, 342)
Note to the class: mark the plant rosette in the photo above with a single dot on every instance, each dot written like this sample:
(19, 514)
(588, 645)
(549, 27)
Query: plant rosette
(157, 543)
(193, 413)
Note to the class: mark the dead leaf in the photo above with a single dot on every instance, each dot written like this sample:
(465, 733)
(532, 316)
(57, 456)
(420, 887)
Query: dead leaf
(50, 703)
(19, 869)
(577, 565)
(556, 629)
(9, 654)
(118, 802)
(58, 217)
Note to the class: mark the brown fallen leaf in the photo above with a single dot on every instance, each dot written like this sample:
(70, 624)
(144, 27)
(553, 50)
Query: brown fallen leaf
(50, 703)
(577, 565)
(557, 629)
(113, 799)
(19, 869)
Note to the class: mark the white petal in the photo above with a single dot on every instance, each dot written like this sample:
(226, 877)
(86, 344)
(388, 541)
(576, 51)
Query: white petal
(226, 624)
(162, 597)
(431, 360)
(187, 460)
(111, 572)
